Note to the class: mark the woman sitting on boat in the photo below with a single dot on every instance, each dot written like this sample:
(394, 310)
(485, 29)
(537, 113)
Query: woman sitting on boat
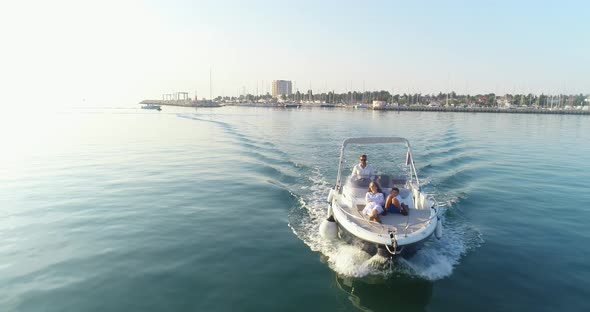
(375, 201)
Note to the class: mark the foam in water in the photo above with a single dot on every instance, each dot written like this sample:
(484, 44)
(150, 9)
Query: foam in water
(435, 260)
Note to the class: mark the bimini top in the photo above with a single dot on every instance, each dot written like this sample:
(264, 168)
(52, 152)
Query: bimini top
(375, 140)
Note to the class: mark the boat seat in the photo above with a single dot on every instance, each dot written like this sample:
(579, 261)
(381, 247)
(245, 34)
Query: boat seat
(358, 192)
(359, 183)
(416, 197)
(384, 181)
(406, 195)
(387, 182)
(423, 201)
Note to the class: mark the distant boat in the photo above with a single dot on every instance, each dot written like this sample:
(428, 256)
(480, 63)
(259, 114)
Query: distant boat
(327, 105)
(291, 105)
(151, 106)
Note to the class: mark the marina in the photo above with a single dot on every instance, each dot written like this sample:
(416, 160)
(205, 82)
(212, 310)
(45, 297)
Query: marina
(413, 108)
(554, 105)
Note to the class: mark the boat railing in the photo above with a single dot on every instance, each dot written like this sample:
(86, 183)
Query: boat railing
(416, 223)
(434, 202)
(413, 173)
(434, 207)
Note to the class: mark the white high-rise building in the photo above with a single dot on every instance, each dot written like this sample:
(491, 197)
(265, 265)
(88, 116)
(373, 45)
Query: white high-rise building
(280, 87)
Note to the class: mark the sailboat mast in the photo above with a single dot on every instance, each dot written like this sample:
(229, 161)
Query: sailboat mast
(351, 92)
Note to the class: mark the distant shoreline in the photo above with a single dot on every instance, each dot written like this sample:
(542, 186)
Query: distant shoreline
(414, 108)
(417, 108)
(485, 110)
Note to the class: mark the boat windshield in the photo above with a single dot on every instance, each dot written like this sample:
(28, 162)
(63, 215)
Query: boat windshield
(384, 159)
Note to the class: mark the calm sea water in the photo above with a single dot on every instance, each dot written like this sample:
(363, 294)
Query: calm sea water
(217, 209)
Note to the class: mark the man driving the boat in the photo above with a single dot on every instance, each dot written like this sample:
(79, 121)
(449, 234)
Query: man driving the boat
(363, 172)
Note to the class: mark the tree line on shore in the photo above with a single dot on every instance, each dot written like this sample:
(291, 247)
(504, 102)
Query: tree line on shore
(452, 98)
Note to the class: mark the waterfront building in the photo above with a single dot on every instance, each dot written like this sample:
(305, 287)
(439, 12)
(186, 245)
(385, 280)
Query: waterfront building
(481, 99)
(281, 87)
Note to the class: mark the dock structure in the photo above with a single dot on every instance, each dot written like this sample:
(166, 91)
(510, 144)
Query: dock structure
(187, 103)
(178, 99)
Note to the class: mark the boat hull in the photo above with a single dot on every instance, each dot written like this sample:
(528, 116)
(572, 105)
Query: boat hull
(382, 236)
(372, 248)
(380, 241)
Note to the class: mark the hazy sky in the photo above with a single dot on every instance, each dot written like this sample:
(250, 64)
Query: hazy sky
(119, 52)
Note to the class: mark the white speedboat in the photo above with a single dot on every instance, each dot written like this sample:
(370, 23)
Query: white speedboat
(151, 106)
(395, 234)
